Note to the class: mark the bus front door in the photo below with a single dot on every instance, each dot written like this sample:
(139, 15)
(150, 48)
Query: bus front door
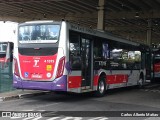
(87, 62)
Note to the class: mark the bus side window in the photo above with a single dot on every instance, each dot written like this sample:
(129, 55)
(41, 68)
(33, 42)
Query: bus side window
(97, 51)
(75, 58)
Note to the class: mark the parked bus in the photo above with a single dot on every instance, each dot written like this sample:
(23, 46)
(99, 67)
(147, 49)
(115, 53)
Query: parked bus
(155, 64)
(60, 56)
(6, 56)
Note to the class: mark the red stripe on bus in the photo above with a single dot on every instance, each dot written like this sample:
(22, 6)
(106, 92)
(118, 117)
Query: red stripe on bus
(74, 81)
(157, 67)
(2, 62)
(2, 59)
(95, 83)
(37, 67)
(115, 79)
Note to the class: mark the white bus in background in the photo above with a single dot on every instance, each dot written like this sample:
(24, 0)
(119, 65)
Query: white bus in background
(6, 53)
(8, 36)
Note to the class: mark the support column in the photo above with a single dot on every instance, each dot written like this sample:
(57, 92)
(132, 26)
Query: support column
(101, 15)
(149, 32)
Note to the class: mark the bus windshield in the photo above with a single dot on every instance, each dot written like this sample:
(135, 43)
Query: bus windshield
(3, 47)
(157, 60)
(39, 33)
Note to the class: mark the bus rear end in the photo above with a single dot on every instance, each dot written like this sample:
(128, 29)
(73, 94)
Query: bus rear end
(39, 59)
(6, 56)
(156, 67)
(3, 47)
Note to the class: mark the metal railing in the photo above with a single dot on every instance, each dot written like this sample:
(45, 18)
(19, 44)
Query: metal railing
(6, 78)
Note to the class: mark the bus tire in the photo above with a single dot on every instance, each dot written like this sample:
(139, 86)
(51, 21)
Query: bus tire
(141, 82)
(101, 89)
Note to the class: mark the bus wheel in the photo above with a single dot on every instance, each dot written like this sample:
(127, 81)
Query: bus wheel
(141, 82)
(101, 87)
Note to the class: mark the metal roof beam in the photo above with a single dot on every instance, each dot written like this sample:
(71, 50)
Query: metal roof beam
(141, 4)
(79, 6)
(128, 4)
(154, 4)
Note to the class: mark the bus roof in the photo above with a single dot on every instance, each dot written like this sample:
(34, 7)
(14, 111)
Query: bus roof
(39, 22)
(98, 33)
(2, 41)
(102, 34)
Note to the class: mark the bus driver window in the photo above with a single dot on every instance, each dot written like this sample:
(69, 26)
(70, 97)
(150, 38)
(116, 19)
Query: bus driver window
(75, 57)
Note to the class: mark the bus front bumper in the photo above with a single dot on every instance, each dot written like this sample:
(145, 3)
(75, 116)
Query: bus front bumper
(59, 84)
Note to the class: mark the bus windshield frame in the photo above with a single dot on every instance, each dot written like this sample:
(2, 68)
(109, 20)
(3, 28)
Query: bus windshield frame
(3, 47)
(39, 33)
